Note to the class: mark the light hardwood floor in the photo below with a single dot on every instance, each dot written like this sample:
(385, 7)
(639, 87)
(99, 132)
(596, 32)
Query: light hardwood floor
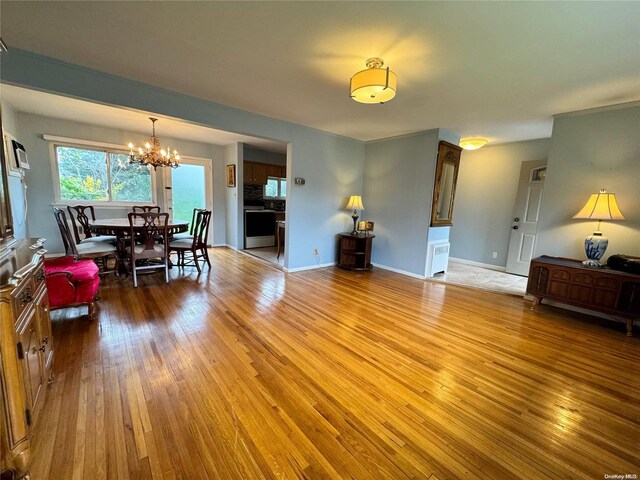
(249, 373)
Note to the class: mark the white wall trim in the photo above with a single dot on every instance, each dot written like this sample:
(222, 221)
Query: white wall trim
(78, 141)
(478, 264)
(401, 272)
(229, 246)
(310, 267)
(105, 205)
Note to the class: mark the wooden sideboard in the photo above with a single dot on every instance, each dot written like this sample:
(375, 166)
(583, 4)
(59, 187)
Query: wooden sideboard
(26, 349)
(600, 289)
(354, 251)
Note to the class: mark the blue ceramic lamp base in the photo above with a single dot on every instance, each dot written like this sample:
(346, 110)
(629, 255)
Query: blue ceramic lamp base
(595, 245)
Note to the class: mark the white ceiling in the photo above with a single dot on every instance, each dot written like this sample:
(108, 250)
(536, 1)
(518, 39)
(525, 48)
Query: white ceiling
(494, 69)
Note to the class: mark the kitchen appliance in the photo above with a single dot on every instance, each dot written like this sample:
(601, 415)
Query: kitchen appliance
(259, 228)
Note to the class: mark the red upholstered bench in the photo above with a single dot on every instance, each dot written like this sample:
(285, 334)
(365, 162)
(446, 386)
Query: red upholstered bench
(72, 283)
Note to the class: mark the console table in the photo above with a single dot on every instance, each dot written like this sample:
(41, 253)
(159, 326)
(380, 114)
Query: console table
(600, 289)
(354, 252)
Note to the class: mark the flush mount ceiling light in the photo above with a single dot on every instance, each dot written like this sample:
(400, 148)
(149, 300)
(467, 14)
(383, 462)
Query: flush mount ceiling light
(473, 143)
(375, 84)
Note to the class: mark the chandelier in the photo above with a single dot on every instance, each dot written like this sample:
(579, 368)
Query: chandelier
(153, 155)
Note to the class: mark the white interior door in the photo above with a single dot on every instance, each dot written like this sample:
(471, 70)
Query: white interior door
(525, 217)
(187, 187)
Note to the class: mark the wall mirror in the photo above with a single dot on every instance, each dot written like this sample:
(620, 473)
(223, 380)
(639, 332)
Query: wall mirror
(444, 190)
(6, 222)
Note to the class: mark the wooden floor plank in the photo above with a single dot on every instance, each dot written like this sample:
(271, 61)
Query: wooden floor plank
(244, 372)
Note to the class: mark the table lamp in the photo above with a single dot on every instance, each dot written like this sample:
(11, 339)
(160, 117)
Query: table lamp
(355, 204)
(600, 206)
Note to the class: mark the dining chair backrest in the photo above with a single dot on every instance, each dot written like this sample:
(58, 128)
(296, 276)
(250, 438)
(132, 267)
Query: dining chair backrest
(193, 219)
(145, 208)
(148, 228)
(65, 232)
(201, 228)
(78, 213)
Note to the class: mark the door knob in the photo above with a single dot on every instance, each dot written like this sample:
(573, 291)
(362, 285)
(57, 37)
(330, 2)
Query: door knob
(515, 227)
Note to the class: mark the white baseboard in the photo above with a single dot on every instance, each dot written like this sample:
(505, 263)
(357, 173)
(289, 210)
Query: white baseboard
(228, 246)
(478, 264)
(401, 272)
(310, 267)
(218, 245)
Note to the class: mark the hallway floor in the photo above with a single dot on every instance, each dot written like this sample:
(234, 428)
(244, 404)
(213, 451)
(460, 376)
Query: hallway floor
(483, 278)
(267, 253)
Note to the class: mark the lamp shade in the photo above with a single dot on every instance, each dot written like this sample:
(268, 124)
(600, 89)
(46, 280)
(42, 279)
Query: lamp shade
(601, 206)
(355, 203)
(473, 143)
(375, 84)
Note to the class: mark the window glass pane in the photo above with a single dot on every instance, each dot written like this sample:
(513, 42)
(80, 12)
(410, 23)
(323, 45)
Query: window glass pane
(129, 183)
(83, 174)
(283, 188)
(187, 190)
(271, 188)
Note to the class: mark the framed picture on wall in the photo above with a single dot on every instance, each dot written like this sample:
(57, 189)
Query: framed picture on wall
(231, 175)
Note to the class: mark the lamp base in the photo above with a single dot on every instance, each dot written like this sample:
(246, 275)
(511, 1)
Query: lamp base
(593, 263)
(595, 245)
(355, 221)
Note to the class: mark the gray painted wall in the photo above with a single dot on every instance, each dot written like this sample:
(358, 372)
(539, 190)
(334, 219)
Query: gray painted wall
(332, 165)
(233, 156)
(252, 154)
(485, 199)
(40, 192)
(398, 190)
(590, 151)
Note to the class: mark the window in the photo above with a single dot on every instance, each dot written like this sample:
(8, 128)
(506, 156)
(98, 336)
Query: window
(276, 188)
(100, 175)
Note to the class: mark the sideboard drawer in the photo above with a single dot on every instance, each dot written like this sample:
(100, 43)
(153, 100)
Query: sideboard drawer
(23, 296)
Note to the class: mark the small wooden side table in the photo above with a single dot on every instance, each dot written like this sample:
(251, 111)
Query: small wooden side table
(354, 251)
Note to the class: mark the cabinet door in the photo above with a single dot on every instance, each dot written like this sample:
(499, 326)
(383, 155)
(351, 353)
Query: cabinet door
(29, 338)
(43, 325)
(248, 173)
(260, 171)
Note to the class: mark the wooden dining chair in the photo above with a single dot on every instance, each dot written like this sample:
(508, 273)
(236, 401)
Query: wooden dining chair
(80, 224)
(197, 245)
(152, 234)
(86, 250)
(145, 209)
(189, 234)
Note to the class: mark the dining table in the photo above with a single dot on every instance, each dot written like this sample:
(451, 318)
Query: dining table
(120, 228)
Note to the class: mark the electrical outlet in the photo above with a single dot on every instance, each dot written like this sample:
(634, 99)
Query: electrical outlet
(315, 252)
(494, 255)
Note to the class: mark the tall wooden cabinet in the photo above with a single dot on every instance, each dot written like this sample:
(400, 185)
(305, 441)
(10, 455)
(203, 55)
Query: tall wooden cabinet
(26, 348)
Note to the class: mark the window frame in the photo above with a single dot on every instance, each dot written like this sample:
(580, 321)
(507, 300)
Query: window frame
(108, 148)
(279, 197)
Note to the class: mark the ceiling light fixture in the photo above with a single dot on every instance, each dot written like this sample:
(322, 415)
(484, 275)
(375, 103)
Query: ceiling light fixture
(375, 84)
(154, 156)
(473, 143)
